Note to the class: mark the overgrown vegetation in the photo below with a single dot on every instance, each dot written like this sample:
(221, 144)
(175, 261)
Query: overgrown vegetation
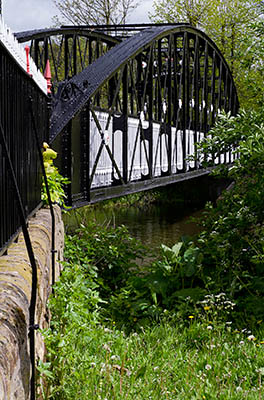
(180, 328)
(200, 357)
(232, 241)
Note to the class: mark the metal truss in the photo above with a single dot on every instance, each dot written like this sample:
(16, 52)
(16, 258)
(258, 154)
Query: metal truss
(69, 49)
(131, 118)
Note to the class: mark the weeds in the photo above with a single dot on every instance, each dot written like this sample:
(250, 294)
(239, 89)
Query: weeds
(180, 328)
(192, 358)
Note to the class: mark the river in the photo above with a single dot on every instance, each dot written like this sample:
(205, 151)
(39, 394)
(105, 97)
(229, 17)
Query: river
(152, 225)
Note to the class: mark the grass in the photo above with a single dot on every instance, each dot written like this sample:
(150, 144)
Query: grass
(198, 357)
(165, 361)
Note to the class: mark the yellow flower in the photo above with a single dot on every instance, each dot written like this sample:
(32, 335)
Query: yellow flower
(191, 316)
(206, 308)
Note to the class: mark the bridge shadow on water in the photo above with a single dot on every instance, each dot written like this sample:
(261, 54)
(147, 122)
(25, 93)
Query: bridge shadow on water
(175, 213)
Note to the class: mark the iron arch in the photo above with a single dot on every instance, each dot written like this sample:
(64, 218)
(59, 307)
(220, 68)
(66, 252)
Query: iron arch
(130, 119)
(189, 54)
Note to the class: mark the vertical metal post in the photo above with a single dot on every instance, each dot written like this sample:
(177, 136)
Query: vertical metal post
(66, 57)
(66, 161)
(159, 81)
(139, 82)
(168, 123)
(150, 110)
(196, 94)
(85, 152)
(205, 90)
(184, 98)
(212, 105)
(74, 44)
(125, 123)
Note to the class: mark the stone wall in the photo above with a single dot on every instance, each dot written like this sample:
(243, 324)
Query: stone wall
(15, 294)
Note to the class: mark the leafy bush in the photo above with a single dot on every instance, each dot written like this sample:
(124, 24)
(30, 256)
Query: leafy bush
(164, 285)
(111, 251)
(232, 240)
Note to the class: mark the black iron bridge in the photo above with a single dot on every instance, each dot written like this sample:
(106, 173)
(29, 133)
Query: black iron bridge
(130, 102)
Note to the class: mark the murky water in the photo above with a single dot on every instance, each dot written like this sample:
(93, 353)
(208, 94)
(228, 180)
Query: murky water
(152, 225)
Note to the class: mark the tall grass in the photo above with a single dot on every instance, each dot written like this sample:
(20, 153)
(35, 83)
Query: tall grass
(198, 357)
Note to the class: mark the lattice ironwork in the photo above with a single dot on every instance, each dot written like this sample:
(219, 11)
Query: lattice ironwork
(129, 120)
(69, 49)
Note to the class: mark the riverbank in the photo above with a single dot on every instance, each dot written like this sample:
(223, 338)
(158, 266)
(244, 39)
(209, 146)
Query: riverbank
(209, 291)
(119, 334)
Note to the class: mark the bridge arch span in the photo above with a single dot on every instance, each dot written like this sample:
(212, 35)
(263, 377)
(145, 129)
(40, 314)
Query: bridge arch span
(130, 119)
(185, 45)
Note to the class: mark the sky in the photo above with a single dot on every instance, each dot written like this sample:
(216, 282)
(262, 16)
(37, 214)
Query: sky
(23, 15)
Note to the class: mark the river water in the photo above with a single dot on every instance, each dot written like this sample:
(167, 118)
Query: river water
(152, 225)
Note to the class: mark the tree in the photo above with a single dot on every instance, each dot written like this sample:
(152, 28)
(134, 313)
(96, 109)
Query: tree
(229, 23)
(191, 11)
(99, 12)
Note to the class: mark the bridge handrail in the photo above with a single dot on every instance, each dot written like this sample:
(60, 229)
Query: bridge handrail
(26, 36)
(122, 31)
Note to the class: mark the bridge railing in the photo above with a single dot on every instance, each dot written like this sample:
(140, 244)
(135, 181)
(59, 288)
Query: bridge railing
(16, 89)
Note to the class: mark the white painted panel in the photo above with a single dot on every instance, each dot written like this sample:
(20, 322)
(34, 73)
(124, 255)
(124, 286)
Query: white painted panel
(137, 159)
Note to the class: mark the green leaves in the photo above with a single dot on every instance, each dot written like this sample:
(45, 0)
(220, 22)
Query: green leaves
(231, 242)
(186, 261)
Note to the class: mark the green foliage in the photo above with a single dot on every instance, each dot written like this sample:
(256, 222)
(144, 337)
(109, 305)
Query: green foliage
(124, 330)
(232, 240)
(55, 180)
(112, 252)
(236, 26)
(181, 358)
(161, 286)
(75, 318)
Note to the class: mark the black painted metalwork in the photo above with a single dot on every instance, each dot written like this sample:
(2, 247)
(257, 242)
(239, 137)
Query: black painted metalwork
(69, 49)
(16, 86)
(167, 77)
(32, 307)
(20, 178)
(173, 77)
(38, 147)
